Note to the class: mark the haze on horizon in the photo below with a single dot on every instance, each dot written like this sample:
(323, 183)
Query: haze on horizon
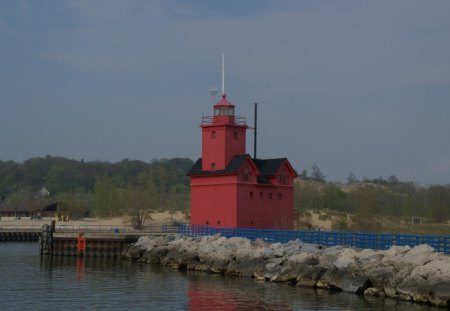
(354, 86)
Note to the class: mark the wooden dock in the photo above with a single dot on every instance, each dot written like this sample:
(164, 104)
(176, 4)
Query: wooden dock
(82, 240)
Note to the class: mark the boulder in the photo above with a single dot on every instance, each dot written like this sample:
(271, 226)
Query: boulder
(155, 254)
(132, 252)
(272, 268)
(345, 257)
(413, 274)
(429, 282)
(345, 279)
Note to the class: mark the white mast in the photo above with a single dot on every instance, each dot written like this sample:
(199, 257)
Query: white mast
(223, 74)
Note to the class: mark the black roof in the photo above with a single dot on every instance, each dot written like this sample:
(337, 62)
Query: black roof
(232, 167)
(29, 206)
(267, 167)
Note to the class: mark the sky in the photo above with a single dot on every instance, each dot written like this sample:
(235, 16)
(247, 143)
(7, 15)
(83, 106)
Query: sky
(352, 85)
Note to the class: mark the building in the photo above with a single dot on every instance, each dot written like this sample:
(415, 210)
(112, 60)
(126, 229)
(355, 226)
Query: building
(29, 209)
(230, 189)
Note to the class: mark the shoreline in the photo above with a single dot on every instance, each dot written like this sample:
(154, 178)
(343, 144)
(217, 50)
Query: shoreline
(156, 218)
(417, 274)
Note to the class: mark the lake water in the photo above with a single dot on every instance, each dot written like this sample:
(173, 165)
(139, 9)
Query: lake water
(29, 282)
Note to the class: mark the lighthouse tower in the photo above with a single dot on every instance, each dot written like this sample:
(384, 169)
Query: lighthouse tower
(229, 188)
(223, 136)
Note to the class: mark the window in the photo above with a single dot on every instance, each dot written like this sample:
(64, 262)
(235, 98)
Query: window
(235, 135)
(280, 196)
(261, 195)
(251, 194)
(218, 222)
(207, 223)
(245, 174)
(283, 178)
(270, 196)
(224, 111)
(213, 166)
(213, 134)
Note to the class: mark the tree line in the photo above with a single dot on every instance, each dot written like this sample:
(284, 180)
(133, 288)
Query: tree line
(97, 188)
(132, 187)
(369, 200)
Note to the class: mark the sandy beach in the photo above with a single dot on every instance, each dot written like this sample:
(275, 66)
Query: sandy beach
(154, 219)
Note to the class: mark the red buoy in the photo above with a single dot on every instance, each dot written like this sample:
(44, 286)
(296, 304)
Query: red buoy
(81, 244)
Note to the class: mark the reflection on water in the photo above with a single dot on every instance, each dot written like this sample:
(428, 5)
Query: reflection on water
(217, 292)
(208, 292)
(29, 282)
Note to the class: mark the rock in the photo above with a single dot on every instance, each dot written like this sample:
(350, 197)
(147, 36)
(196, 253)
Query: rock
(272, 268)
(155, 254)
(260, 243)
(394, 252)
(311, 248)
(180, 259)
(381, 276)
(414, 287)
(132, 252)
(345, 258)
(287, 249)
(374, 292)
(413, 274)
(369, 256)
(302, 269)
(439, 294)
(429, 282)
(311, 273)
(417, 256)
(248, 267)
(347, 280)
(437, 268)
(278, 249)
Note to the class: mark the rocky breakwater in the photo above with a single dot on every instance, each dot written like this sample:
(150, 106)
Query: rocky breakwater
(414, 274)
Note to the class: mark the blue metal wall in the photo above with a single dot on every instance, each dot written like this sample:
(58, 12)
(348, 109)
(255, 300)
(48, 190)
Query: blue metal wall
(325, 238)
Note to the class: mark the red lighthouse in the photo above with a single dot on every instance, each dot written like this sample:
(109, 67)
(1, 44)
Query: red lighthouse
(230, 189)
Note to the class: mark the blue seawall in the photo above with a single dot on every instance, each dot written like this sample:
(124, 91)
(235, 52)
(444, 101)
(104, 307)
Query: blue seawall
(325, 238)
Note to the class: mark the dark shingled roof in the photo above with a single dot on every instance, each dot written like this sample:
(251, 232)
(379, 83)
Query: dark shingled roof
(29, 207)
(232, 167)
(267, 167)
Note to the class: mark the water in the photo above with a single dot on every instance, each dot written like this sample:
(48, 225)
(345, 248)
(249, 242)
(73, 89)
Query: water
(28, 282)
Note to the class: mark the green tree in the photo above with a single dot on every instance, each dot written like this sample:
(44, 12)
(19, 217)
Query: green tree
(335, 198)
(178, 199)
(108, 198)
(366, 216)
(351, 179)
(303, 175)
(308, 195)
(438, 204)
(140, 202)
(18, 198)
(74, 204)
(317, 174)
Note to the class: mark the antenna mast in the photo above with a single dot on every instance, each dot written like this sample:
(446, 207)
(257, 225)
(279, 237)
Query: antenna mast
(255, 131)
(223, 74)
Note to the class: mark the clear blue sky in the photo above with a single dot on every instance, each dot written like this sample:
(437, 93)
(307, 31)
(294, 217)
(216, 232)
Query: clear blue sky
(355, 86)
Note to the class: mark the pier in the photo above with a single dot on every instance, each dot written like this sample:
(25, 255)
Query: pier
(16, 233)
(109, 241)
(81, 240)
